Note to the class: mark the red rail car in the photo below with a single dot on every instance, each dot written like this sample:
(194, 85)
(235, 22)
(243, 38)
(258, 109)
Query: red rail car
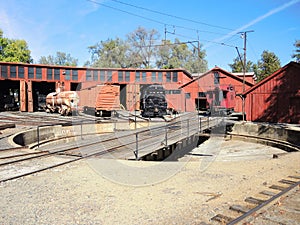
(102, 100)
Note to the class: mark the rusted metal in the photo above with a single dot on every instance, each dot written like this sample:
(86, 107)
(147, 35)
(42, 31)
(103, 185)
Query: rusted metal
(23, 96)
(133, 97)
(30, 97)
(63, 102)
(100, 97)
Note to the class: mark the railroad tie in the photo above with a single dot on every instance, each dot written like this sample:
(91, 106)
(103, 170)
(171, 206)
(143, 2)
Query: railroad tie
(277, 187)
(239, 208)
(255, 201)
(268, 193)
(221, 218)
(284, 181)
(295, 177)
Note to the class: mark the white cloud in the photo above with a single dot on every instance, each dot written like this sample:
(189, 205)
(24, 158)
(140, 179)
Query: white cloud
(257, 20)
(7, 25)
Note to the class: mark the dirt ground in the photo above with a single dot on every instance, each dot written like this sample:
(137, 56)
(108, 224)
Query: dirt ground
(189, 191)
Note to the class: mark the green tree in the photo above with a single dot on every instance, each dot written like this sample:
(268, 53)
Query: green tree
(296, 55)
(141, 50)
(177, 54)
(110, 53)
(142, 47)
(61, 59)
(14, 50)
(237, 66)
(196, 62)
(268, 64)
(164, 54)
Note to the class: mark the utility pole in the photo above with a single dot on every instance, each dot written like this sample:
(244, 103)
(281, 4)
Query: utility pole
(244, 35)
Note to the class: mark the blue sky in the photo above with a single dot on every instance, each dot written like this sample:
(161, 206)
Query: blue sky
(71, 26)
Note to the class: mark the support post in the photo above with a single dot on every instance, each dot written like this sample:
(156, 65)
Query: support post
(38, 136)
(136, 153)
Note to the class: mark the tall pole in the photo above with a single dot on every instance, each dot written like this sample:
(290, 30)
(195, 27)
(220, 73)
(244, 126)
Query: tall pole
(244, 69)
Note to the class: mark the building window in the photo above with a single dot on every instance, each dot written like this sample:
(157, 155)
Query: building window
(56, 74)
(13, 72)
(120, 76)
(21, 72)
(31, 73)
(49, 74)
(74, 74)
(109, 76)
(216, 78)
(144, 76)
(175, 76)
(173, 92)
(153, 77)
(160, 77)
(201, 95)
(187, 95)
(95, 75)
(38, 72)
(168, 77)
(102, 75)
(127, 76)
(88, 75)
(4, 71)
(137, 76)
(67, 74)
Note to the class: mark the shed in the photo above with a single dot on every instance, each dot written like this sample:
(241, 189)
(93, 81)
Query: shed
(276, 99)
(218, 77)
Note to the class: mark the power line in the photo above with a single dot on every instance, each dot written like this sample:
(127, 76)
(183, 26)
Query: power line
(156, 21)
(162, 23)
(172, 16)
(124, 11)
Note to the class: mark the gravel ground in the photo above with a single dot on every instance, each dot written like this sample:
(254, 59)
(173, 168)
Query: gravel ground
(206, 183)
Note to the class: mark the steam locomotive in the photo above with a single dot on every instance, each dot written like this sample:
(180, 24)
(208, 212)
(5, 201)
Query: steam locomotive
(64, 102)
(153, 101)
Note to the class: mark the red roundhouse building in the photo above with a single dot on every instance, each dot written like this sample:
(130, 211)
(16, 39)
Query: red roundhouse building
(28, 84)
(276, 99)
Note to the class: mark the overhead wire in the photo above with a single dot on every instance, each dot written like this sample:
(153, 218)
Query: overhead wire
(150, 19)
(162, 23)
(173, 16)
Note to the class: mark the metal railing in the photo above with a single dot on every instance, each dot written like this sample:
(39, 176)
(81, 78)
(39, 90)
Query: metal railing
(172, 132)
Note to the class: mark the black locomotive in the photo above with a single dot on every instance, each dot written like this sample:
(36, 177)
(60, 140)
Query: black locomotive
(153, 101)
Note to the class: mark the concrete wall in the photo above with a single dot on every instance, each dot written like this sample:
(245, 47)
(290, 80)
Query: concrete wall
(44, 134)
(286, 133)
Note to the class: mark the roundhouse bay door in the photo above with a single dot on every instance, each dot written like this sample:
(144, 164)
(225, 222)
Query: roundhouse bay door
(133, 97)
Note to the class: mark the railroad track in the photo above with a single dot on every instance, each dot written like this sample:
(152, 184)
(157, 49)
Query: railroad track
(32, 119)
(284, 145)
(93, 147)
(257, 204)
